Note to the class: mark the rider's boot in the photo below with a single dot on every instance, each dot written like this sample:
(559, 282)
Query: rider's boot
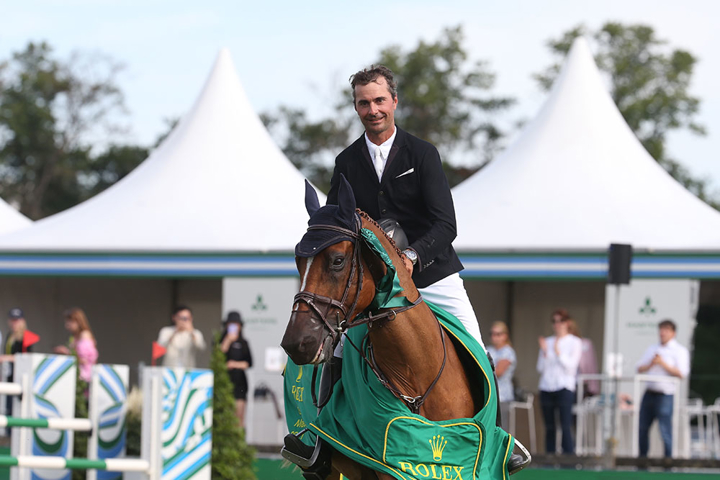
(316, 462)
(518, 461)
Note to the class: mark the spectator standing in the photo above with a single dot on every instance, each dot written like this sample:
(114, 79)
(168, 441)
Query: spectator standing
(588, 360)
(82, 342)
(239, 359)
(558, 362)
(182, 341)
(668, 359)
(503, 354)
(13, 344)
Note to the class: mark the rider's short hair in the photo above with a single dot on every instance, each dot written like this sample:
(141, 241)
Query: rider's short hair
(367, 75)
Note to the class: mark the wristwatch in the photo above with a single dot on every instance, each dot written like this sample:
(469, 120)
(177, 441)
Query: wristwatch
(411, 254)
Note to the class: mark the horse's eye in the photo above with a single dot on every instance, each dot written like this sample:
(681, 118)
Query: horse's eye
(338, 262)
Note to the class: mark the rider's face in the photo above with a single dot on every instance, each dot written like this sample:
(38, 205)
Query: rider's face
(376, 108)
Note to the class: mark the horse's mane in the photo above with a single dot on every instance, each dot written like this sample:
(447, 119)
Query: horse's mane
(368, 219)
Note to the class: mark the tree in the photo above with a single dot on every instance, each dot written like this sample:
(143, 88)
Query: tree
(232, 458)
(442, 99)
(310, 145)
(649, 84)
(50, 111)
(111, 166)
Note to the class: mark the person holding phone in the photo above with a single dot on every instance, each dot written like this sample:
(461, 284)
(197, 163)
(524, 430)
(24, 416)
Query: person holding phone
(182, 340)
(239, 359)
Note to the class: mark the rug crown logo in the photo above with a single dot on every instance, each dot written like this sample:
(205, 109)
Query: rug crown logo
(437, 443)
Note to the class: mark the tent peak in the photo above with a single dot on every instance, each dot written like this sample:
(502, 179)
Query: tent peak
(577, 177)
(217, 183)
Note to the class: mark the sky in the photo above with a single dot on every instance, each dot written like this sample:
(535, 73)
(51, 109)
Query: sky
(300, 53)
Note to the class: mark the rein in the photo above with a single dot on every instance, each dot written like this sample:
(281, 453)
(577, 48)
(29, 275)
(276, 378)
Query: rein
(322, 306)
(414, 403)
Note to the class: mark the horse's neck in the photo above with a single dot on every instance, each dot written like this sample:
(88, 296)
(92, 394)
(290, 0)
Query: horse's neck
(403, 275)
(408, 349)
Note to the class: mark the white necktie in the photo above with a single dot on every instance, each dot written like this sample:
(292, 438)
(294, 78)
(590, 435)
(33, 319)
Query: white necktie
(379, 162)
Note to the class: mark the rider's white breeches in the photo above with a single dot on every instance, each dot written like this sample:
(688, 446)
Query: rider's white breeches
(450, 295)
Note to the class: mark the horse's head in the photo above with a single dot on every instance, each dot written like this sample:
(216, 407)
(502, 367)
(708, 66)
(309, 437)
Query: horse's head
(331, 265)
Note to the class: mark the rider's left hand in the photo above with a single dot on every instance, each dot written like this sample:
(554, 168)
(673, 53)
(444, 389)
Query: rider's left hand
(408, 264)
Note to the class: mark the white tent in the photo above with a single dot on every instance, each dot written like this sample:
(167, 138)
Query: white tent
(11, 219)
(577, 179)
(217, 185)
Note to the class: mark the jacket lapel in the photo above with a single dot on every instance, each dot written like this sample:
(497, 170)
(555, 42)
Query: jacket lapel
(390, 166)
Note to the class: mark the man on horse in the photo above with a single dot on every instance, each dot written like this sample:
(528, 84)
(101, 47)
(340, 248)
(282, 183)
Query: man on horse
(398, 177)
(395, 179)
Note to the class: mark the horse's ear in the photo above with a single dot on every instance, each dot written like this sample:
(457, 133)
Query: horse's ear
(312, 204)
(346, 202)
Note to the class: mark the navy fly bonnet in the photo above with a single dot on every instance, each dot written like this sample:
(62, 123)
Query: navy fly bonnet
(342, 216)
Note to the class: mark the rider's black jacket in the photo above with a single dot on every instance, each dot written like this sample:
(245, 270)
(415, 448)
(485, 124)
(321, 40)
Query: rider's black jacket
(414, 191)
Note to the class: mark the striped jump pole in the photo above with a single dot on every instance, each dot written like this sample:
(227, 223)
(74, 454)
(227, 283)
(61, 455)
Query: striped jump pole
(74, 424)
(62, 463)
(7, 388)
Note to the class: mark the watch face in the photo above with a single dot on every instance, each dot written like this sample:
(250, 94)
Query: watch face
(411, 255)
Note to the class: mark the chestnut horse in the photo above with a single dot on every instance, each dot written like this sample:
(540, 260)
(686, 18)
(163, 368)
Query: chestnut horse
(412, 352)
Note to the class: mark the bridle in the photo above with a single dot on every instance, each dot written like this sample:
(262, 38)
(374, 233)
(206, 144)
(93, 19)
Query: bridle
(322, 306)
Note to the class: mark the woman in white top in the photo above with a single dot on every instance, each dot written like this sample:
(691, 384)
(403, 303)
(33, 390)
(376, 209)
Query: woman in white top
(557, 364)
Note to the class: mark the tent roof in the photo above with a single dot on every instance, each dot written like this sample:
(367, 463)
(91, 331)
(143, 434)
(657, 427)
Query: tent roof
(218, 183)
(577, 178)
(11, 219)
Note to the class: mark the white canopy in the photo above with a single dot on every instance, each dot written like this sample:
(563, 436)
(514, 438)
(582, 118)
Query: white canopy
(218, 183)
(11, 219)
(578, 179)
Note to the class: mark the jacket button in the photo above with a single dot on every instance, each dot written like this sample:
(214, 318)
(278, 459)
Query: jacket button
(383, 211)
(381, 193)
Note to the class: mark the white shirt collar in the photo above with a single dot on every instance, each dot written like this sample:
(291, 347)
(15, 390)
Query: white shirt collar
(384, 147)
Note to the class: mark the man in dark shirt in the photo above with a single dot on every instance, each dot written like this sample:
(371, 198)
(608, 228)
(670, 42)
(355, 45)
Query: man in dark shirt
(396, 175)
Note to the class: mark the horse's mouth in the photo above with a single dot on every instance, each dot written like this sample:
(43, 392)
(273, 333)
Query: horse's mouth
(323, 351)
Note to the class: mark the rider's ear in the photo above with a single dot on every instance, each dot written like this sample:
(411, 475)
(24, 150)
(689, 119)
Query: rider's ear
(312, 204)
(346, 202)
